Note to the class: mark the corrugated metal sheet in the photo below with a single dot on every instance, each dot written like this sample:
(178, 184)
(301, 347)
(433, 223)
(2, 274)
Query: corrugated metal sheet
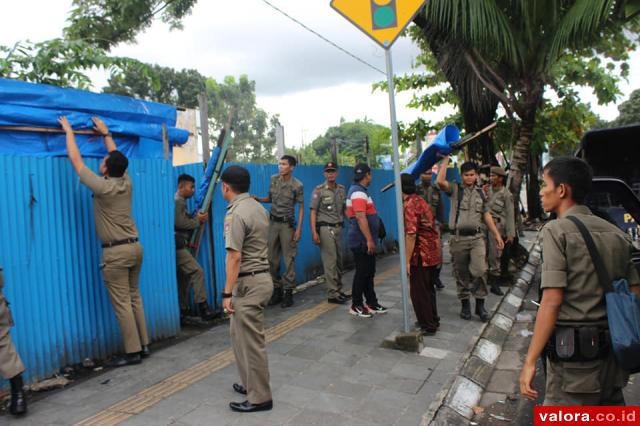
(51, 256)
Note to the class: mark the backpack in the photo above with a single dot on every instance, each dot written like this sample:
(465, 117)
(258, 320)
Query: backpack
(623, 308)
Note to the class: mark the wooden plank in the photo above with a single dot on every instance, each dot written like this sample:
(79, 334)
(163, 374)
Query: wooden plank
(46, 130)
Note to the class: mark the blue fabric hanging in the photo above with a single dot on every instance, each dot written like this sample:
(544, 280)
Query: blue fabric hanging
(136, 124)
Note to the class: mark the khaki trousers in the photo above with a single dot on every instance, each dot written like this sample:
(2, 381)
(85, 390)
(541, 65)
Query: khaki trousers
(281, 243)
(121, 271)
(10, 362)
(598, 382)
(190, 275)
(469, 266)
(250, 296)
(494, 254)
(331, 254)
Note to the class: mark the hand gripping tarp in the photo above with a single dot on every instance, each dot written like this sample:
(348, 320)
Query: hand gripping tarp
(442, 144)
(135, 124)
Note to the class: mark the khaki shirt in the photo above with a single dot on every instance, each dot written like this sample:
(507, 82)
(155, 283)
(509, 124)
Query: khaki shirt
(431, 195)
(329, 203)
(284, 195)
(501, 208)
(472, 207)
(111, 205)
(246, 229)
(183, 222)
(566, 264)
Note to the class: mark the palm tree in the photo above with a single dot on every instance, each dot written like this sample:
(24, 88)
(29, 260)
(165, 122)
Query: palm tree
(512, 47)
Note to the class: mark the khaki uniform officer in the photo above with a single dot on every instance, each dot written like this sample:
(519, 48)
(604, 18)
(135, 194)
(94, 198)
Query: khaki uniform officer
(11, 366)
(121, 251)
(284, 192)
(328, 204)
(247, 289)
(190, 274)
(431, 194)
(572, 305)
(469, 209)
(501, 209)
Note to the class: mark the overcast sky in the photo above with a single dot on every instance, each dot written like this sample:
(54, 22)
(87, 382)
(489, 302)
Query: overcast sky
(308, 82)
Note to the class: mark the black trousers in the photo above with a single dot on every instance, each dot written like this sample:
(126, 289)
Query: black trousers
(423, 296)
(363, 278)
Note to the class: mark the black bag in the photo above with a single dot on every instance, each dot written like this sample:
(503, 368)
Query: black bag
(382, 231)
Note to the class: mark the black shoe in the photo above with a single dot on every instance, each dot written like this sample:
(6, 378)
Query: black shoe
(18, 404)
(496, 290)
(345, 295)
(205, 312)
(239, 388)
(337, 300)
(145, 352)
(287, 299)
(427, 332)
(276, 297)
(493, 285)
(481, 311)
(247, 407)
(465, 312)
(438, 283)
(123, 361)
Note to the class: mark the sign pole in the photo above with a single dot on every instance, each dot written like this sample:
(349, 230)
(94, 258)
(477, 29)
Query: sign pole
(399, 208)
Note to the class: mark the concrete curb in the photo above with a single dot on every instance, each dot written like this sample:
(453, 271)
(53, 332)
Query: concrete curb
(454, 404)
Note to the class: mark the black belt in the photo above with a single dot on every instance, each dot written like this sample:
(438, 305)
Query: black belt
(281, 219)
(467, 233)
(331, 225)
(246, 274)
(119, 242)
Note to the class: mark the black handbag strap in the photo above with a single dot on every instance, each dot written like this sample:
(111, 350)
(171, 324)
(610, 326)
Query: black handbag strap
(601, 270)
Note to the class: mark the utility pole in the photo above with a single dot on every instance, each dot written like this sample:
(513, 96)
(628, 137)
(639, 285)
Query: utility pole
(204, 126)
(334, 150)
(279, 140)
(366, 150)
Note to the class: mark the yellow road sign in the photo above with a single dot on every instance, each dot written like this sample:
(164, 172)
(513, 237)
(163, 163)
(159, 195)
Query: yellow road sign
(382, 20)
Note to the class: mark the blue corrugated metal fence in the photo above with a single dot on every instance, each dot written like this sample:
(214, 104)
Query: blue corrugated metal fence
(51, 254)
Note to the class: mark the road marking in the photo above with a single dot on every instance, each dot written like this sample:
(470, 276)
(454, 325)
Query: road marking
(147, 398)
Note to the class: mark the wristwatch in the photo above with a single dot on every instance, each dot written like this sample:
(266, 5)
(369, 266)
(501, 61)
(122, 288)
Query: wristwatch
(226, 295)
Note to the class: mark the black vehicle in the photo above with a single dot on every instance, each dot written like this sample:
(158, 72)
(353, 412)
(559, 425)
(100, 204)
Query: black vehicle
(614, 155)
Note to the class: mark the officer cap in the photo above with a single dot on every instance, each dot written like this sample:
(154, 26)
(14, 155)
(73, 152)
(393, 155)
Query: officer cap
(330, 166)
(237, 177)
(498, 171)
(360, 171)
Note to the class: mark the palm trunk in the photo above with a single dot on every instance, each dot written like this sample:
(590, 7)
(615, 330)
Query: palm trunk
(533, 188)
(522, 147)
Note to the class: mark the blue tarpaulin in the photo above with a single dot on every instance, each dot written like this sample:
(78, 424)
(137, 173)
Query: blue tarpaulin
(441, 144)
(136, 124)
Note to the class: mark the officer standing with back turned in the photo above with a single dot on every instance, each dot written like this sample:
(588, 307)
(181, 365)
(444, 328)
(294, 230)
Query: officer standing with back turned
(11, 367)
(328, 204)
(247, 288)
(284, 192)
(121, 250)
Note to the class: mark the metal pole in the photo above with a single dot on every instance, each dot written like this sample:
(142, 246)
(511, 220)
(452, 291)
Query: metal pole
(399, 209)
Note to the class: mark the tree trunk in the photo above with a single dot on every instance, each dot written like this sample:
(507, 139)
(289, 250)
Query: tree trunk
(522, 147)
(533, 190)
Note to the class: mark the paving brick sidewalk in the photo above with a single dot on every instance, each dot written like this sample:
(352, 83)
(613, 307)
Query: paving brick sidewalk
(330, 371)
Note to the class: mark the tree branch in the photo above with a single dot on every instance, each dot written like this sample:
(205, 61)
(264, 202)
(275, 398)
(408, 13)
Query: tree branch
(490, 86)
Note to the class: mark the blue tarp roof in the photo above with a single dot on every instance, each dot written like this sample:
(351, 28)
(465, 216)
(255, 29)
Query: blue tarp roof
(136, 124)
